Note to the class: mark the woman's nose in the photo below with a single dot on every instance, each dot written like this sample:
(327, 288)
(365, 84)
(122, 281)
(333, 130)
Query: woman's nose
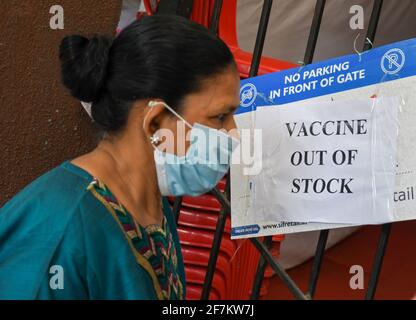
(230, 124)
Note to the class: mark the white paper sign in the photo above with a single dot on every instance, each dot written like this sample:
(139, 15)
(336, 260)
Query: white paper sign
(327, 162)
(388, 72)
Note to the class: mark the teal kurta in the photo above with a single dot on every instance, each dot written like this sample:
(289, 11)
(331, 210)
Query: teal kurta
(65, 236)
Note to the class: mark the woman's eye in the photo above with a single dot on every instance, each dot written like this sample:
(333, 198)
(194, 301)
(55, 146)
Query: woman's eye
(221, 117)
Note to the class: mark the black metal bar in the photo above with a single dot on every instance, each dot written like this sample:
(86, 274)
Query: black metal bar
(261, 36)
(309, 53)
(185, 8)
(227, 189)
(287, 280)
(261, 268)
(179, 7)
(254, 69)
(225, 203)
(323, 236)
(294, 289)
(212, 262)
(222, 199)
(372, 25)
(215, 17)
(378, 260)
(177, 208)
(314, 31)
(386, 228)
(216, 243)
(317, 262)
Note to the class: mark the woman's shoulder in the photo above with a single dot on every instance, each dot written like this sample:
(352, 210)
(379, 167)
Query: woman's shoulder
(34, 225)
(62, 199)
(56, 192)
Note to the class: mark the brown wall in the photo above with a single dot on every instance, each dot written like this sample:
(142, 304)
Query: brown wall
(40, 124)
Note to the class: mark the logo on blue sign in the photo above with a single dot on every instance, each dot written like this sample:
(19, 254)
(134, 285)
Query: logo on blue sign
(251, 229)
(248, 94)
(393, 61)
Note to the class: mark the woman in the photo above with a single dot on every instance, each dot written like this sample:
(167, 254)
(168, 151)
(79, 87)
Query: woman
(97, 227)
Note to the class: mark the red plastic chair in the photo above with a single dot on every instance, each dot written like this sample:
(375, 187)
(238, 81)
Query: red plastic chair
(196, 275)
(201, 12)
(204, 239)
(244, 266)
(193, 292)
(201, 219)
(205, 202)
(199, 257)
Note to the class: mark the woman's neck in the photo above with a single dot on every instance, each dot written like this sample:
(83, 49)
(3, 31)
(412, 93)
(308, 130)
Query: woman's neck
(125, 164)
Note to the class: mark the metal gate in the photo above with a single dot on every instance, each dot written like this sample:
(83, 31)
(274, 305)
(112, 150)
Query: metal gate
(224, 198)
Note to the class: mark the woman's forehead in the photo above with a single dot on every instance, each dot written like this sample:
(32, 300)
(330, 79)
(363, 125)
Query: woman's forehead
(219, 93)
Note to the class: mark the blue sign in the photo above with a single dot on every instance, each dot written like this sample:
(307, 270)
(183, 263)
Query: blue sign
(382, 64)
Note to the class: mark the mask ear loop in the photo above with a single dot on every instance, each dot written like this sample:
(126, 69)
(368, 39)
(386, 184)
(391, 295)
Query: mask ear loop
(155, 138)
(154, 103)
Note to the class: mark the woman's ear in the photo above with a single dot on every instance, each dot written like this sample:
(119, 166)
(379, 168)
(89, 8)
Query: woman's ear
(152, 114)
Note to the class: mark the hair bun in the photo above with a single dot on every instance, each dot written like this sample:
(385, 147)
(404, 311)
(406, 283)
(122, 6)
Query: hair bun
(84, 64)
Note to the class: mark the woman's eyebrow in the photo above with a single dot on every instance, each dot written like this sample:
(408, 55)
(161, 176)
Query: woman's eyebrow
(233, 108)
(230, 106)
(227, 108)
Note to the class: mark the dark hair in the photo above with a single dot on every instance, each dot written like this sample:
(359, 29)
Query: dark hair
(159, 56)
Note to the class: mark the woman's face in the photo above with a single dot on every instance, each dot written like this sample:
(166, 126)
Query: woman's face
(213, 107)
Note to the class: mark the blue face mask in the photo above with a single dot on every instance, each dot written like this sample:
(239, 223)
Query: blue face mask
(206, 161)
